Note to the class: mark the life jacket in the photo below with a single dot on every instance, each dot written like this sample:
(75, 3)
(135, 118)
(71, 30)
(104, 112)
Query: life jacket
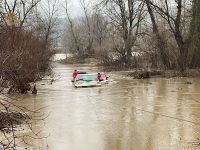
(74, 74)
(99, 78)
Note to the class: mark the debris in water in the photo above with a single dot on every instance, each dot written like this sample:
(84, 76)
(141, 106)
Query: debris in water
(188, 82)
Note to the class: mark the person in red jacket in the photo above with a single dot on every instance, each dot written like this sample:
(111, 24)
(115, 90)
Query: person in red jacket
(99, 77)
(74, 75)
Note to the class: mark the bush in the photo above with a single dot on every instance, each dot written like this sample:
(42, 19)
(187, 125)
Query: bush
(109, 61)
(24, 56)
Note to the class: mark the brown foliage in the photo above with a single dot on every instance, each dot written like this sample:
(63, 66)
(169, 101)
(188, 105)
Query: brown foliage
(23, 56)
(110, 61)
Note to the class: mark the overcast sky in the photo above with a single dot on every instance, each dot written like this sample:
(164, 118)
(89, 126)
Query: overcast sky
(75, 7)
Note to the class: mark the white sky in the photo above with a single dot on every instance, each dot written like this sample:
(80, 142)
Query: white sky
(75, 7)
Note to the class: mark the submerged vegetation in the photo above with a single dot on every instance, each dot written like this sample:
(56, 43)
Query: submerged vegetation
(15, 119)
(23, 61)
(26, 43)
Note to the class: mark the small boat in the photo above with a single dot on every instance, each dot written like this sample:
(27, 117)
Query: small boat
(87, 80)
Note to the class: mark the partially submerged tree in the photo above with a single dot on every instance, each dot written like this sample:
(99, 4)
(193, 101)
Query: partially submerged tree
(49, 19)
(25, 55)
(125, 16)
(72, 31)
(195, 35)
(173, 15)
(89, 50)
(161, 44)
(120, 22)
(100, 31)
(13, 120)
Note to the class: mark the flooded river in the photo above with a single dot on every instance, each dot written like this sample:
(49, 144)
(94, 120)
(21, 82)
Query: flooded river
(127, 114)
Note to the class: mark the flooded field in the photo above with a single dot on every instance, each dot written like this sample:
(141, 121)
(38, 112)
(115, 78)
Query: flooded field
(127, 114)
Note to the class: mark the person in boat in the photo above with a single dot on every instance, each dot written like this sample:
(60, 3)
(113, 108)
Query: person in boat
(99, 77)
(74, 75)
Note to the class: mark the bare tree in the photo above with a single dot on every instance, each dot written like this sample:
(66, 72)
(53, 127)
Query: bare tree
(126, 17)
(160, 41)
(100, 30)
(48, 18)
(1, 14)
(174, 21)
(195, 34)
(25, 54)
(17, 11)
(89, 47)
(26, 8)
(71, 24)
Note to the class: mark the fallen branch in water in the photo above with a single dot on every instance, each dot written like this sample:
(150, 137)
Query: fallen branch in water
(13, 120)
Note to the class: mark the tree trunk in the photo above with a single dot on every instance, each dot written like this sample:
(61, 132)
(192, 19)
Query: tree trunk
(195, 34)
(160, 42)
(183, 57)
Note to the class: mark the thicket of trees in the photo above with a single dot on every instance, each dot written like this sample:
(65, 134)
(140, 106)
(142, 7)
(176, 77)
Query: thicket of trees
(195, 36)
(163, 33)
(25, 41)
(27, 32)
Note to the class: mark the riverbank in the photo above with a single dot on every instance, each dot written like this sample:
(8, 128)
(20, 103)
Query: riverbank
(137, 73)
(141, 74)
(77, 61)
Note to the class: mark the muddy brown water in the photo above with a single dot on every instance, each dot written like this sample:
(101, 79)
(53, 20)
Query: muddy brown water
(127, 114)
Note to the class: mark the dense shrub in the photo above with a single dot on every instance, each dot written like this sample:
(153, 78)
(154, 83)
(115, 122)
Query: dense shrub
(24, 57)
